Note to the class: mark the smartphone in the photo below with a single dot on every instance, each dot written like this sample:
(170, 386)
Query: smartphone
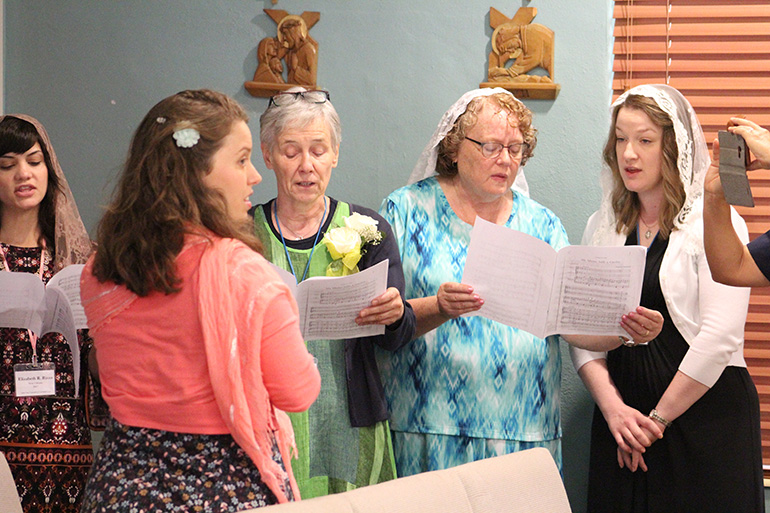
(733, 160)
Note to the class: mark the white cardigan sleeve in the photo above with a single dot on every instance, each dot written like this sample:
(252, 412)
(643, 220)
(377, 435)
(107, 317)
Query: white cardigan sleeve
(720, 316)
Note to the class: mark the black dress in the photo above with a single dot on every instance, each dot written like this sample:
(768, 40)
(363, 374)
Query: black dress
(709, 460)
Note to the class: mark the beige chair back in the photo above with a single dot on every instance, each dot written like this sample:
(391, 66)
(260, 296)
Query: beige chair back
(9, 497)
(522, 482)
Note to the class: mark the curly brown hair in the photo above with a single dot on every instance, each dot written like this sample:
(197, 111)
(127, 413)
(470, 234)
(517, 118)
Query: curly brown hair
(519, 116)
(625, 203)
(160, 195)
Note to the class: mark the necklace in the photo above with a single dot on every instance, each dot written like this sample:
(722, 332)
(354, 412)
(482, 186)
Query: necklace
(286, 250)
(648, 233)
(296, 235)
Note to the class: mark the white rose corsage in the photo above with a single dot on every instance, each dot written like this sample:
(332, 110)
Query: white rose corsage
(346, 244)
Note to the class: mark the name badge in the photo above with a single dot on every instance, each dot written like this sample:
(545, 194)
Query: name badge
(35, 380)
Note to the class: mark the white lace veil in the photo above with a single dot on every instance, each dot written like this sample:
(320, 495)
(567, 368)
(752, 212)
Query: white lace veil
(426, 164)
(73, 245)
(693, 159)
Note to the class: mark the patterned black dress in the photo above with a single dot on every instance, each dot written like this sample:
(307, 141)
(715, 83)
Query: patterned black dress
(46, 439)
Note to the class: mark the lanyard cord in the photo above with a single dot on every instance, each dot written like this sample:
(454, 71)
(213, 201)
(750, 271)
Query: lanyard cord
(283, 241)
(32, 336)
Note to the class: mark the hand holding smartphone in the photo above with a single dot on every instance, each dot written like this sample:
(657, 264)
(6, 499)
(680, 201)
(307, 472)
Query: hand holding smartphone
(733, 160)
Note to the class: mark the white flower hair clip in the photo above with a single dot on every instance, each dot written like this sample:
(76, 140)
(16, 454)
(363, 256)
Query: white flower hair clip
(186, 137)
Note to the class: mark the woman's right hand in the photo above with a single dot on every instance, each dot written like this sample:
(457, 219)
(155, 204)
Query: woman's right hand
(632, 461)
(626, 425)
(456, 299)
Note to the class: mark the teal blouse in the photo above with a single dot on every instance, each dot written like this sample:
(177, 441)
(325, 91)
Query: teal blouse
(471, 376)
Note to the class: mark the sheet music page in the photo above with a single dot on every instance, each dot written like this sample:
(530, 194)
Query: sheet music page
(58, 315)
(68, 281)
(328, 307)
(58, 319)
(512, 271)
(21, 303)
(594, 287)
(287, 278)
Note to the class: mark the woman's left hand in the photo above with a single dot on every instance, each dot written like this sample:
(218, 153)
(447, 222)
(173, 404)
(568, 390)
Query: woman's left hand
(643, 325)
(385, 309)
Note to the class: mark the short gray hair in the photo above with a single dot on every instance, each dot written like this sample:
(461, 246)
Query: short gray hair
(299, 114)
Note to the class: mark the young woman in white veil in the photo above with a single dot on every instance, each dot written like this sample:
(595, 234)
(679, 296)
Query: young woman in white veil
(691, 380)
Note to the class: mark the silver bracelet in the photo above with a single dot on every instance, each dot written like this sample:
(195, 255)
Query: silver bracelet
(654, 415)
(627, 342)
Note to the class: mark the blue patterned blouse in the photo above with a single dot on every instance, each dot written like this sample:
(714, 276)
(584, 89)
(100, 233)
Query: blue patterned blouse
(471, 376)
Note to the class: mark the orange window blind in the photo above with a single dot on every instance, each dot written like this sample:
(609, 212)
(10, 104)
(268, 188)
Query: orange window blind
(717, 53)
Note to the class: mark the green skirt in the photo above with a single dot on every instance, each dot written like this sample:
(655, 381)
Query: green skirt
(334, 457)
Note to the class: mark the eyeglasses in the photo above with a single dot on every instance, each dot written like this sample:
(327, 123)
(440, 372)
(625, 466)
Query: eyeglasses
(286, 98)
(492, 150)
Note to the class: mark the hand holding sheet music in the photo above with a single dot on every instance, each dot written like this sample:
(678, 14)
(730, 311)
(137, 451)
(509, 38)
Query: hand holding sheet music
(328, 306)
(526, 284)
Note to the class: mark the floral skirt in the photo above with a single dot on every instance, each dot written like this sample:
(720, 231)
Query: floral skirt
(143, 470)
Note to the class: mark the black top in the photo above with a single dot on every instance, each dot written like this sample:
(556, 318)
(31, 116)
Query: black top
(760, 252)
(710, 459)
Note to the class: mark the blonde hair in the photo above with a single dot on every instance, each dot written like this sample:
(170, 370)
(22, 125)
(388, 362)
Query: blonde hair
(625, 203)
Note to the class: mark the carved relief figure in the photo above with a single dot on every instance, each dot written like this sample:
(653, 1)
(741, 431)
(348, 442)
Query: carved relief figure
(269, 55)
(288, 59)
(301, 51)
(529, 46)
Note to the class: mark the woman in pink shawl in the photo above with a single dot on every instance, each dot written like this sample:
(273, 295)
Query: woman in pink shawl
(197, 339)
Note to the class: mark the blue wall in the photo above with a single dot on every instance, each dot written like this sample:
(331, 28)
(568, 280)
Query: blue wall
(90, 70)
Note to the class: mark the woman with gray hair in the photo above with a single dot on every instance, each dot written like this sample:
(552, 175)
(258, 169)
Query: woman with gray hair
(343, 439)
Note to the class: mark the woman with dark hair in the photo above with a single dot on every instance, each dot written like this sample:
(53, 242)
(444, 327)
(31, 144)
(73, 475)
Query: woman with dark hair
(691, 380)
(45, 438)
(198, 339)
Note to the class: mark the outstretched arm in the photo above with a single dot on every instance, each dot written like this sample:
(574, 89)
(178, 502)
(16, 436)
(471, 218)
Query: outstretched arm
(728, 258)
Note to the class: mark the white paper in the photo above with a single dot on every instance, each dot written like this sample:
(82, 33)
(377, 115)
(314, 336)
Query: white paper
(22, 301)
(68, 281)
(287, 278)
(328, 306)
(26, 303)
(594, 287)
(526, 284)
(38, 382)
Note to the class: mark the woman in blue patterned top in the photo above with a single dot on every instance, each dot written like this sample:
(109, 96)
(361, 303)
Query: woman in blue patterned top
(468, 387)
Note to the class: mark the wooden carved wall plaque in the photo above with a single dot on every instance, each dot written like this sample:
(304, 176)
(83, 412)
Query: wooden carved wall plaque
(290, 58)
(518, 47)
